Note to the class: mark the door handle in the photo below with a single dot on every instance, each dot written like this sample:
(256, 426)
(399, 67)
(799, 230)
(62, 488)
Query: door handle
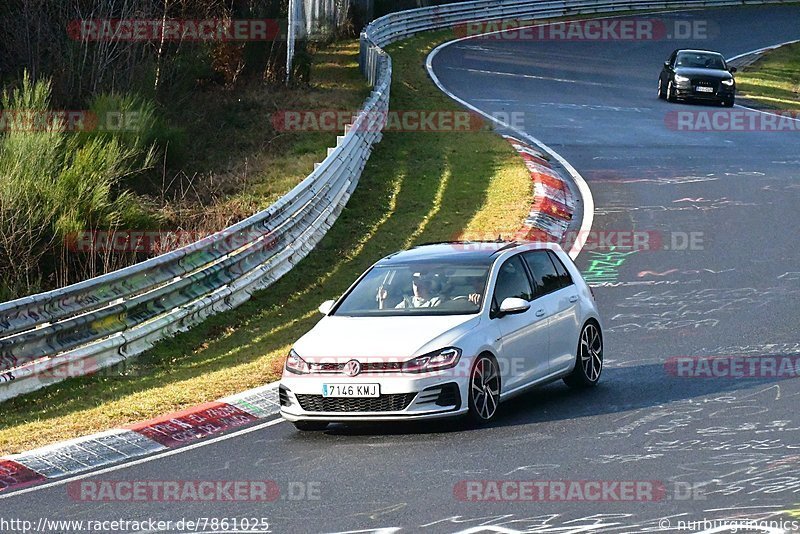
(539, 313)
(573, 298)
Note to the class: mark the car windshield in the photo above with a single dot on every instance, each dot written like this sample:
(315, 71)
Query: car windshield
(700, 60)
(417, 289)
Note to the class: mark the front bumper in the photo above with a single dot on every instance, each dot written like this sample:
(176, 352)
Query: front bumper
(687, 91)
(405, 397)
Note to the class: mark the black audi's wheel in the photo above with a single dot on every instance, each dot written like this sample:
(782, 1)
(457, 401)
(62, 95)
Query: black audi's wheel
(729, 102)
(484, 390)
(310, 426)
(661, 93)
(589, 362)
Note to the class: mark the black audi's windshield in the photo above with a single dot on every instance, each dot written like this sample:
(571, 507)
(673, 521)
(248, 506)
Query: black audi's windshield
(417, 289)
(700, 60)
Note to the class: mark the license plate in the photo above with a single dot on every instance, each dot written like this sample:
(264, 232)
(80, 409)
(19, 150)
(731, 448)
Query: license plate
(704, 89)
(350, 390)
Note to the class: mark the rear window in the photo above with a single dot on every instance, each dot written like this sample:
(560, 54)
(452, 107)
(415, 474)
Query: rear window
(543, 271)
(564, 278)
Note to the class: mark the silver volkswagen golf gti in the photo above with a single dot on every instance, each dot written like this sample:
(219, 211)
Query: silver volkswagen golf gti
(443, 330)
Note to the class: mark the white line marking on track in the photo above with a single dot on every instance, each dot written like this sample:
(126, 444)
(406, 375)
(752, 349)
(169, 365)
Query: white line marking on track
(528, 76)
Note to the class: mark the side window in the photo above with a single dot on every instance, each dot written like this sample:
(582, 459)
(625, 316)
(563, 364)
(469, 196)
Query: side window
(544, 273)
(512, 281)
(672, 59)
(564, 279)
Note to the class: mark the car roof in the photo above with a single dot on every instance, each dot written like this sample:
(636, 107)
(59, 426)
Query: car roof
(698, 51)
(466, 252)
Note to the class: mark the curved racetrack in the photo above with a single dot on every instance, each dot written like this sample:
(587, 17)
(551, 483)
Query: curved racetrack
(735, 441)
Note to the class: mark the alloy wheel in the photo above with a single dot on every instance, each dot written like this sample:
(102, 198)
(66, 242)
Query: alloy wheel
(591, 352)
(485, 388)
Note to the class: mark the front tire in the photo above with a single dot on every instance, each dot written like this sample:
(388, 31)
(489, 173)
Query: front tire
(589, 361)
(484, 390)
(661, 93)
(729, 102)
(310, 426)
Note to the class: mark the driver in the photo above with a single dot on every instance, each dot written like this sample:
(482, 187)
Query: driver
(477, 290)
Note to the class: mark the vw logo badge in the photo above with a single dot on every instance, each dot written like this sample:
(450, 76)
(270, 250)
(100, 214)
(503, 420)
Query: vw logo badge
(352, 368)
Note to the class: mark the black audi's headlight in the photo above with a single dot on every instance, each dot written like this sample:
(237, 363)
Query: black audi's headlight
(728, 83)
(433, 361)
(296, 365)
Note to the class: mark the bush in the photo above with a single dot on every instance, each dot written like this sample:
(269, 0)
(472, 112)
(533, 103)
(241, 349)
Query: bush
(54, 183)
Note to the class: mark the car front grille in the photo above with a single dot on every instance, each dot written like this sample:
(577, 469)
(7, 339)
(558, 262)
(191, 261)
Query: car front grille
(384, 403)
(366, 367)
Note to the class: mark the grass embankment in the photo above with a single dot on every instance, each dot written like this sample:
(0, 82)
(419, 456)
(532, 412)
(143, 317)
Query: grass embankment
(418, 187)
(773, 81)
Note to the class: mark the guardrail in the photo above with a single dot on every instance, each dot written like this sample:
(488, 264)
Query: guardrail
(79, 329)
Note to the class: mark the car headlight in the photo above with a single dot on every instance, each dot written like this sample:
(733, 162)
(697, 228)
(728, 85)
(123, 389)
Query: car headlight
(433, 361)
(681, 79)
(296, 365)
(729, 83)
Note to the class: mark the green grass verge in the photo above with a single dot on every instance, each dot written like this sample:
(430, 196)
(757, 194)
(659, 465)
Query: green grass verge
(773, 81)
(417, 187)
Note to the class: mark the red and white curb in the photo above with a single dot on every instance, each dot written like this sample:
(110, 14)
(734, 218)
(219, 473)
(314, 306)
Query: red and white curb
(553, 202)
(87, 453)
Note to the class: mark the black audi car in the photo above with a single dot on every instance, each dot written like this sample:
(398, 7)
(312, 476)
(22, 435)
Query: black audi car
(697, 75)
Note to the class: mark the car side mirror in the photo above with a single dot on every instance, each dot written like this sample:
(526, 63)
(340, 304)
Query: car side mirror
(513, 305)
(326, 307)
(733, 70)
(666, 64)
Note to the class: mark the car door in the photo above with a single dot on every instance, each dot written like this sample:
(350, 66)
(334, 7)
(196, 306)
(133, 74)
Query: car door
(523, 342)
(557, 294)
